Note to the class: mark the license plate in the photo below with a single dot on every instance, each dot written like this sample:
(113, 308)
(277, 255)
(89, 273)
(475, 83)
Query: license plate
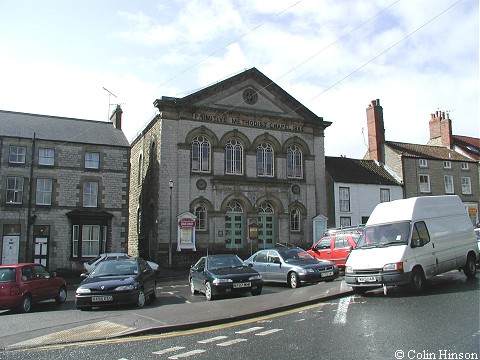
(367, 279)
(329, 273)
(101, 298)
(242, 285)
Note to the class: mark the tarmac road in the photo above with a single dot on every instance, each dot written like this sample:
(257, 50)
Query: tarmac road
(65, 324)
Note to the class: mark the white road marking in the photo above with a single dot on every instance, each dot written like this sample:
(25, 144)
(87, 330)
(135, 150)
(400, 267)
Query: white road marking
(268, 332)
(231, 342)
(341, 315)
(206, 341)
(187, 354)
(298, 320)
(255, 328)
(166, 351)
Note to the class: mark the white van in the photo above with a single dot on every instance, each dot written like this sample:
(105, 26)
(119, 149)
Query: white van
(410, 240)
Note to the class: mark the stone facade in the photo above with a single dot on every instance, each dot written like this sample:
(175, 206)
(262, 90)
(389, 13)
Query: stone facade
(50, 220)
(265, 126)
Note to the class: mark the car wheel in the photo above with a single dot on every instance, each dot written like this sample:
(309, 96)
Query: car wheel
(26, 304)
(417, 281)
(470, 268)
(208, 291)
(293, 280)
(256, 292)
(141, 298)
(62, 295)
(192, 288)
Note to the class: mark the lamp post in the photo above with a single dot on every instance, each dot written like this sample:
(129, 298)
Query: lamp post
(170, 185)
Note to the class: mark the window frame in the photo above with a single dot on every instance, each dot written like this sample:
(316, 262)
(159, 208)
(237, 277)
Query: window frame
(427, 183)
(465, 166)
(92, 163)
(423, 163)
(200, 211)
(234, 157)
(384, 191)
(47, 158)
(45, 193)
(344, 201)
(20, 154)
(17, 190)
(197, 154)
(294, 162)
(466, 185)
(295, 219)
(449, 185)
(447, 164)
(265, 160)
(89, 195)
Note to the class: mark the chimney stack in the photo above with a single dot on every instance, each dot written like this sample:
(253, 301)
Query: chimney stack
(440, 130)
(376, 132)
(116, 117)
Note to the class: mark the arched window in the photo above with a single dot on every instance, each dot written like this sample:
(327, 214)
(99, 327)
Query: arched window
(234, 225)
(201, 154)
(200, 212)
(265, 159)
(295, 219)
(294, 162)
(266, 226)
(234, 157)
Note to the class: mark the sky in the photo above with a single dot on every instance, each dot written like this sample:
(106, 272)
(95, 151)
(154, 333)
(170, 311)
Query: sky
(79, 58)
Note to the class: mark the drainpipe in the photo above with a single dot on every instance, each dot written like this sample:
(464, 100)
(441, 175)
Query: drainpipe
(30, 220)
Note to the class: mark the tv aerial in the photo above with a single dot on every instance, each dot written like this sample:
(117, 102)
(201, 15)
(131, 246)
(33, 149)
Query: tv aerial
(110, 94)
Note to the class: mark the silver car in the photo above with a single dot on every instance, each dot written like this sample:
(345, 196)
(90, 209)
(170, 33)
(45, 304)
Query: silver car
(291, 265)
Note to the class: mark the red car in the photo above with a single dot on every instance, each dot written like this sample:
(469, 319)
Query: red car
(336, 247)
(22, 285)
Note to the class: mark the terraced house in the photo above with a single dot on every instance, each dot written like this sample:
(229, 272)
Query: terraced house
(426, 170)
(236, 166)
(63, 188)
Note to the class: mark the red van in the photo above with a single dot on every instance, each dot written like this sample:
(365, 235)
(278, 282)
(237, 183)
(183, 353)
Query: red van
(336, 247)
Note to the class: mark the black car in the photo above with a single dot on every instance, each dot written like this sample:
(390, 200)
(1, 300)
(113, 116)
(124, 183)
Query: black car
(117, 282)
(223, 274)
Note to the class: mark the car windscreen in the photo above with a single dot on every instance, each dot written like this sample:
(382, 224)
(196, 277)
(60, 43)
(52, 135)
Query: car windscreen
(221, 262)
(116, 268)
(7, 275)
(385, 235)
(294, 254)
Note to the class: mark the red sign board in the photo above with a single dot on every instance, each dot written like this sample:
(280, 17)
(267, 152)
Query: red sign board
(186, 223)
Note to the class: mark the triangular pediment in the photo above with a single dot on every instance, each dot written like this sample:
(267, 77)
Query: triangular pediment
(250, 92)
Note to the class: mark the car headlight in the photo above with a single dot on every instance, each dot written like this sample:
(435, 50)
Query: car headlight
(393, 266)
(82, 290)
(304, 271)
(255, 277)
(221, 281)
(125, 288)
(348, 269)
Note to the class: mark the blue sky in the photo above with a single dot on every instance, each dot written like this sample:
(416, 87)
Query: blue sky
(416, 56)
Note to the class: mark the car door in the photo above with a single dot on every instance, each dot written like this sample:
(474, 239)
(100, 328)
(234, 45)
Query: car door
(44, 284)
(274, 270)
(259, 263)
(323, 249)
(424, 249)
(197, 273)
(148, 277)
(340, 249)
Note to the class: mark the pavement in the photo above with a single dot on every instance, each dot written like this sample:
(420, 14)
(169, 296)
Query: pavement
(81, 326)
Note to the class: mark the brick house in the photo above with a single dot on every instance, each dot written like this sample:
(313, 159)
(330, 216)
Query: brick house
(425, 169)
(63, 188)
(354, 188)
(241, 160)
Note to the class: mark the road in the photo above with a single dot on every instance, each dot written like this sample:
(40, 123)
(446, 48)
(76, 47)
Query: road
(442, 323)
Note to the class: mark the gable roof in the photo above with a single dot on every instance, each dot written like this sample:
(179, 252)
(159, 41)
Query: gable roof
(426, 151)
(281, 103)
(356, 171)
(54, 128)
(469, 145)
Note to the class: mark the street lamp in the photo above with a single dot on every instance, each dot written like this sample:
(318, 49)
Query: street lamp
(170, 185)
